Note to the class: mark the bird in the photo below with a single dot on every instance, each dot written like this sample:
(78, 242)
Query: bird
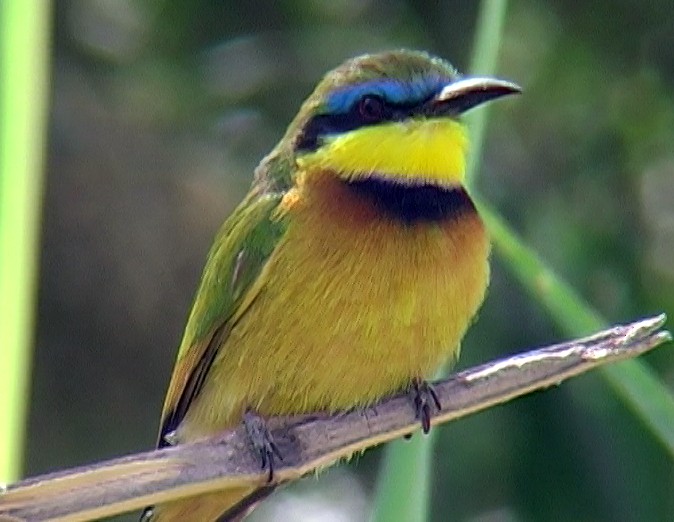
(350, 271)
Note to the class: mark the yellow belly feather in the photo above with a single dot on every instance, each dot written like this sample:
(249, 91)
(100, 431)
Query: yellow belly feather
(354, 305)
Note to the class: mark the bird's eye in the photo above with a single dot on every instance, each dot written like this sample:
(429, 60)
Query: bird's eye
(371, 108)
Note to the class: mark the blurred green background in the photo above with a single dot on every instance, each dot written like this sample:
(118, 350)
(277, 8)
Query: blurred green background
(159, 112)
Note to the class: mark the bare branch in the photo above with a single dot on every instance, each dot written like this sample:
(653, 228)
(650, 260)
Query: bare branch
(311, 441)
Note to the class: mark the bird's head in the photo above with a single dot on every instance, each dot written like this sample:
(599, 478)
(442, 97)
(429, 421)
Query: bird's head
(393, 116)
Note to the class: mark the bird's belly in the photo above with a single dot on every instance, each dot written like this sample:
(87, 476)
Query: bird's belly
(350, 311)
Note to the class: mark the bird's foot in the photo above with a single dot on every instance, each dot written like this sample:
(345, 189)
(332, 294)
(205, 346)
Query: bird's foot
(262, 441)
(424, 398)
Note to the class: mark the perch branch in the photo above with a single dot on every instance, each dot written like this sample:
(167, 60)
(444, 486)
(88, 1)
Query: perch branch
(308, 442)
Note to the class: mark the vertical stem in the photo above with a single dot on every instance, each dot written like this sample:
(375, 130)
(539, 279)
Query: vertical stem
(406, 464)
(403, 489)
(24, 39)
(490, 23)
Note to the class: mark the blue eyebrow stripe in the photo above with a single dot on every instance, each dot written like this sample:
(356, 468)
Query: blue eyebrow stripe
(393, 91)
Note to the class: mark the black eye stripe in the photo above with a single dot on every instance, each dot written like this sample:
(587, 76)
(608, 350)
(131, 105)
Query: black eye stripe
(325, 124)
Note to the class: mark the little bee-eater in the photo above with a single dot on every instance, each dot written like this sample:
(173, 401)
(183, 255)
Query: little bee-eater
(350, 271)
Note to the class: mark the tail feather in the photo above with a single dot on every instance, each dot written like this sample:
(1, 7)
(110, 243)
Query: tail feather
(246, 505)
(221, 506)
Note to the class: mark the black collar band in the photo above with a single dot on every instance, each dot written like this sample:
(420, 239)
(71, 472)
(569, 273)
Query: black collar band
(414, 203)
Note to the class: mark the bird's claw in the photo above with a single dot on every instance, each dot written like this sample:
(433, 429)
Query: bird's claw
(262, 441)
(424, 397)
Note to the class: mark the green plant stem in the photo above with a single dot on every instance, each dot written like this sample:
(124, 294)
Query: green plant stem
(23, 96)
(405, 463)
(490, 23)
(403, 490)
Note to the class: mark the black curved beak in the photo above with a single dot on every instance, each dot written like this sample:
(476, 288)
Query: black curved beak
(466, 93)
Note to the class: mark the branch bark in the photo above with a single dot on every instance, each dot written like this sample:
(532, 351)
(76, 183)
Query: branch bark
(308, 442)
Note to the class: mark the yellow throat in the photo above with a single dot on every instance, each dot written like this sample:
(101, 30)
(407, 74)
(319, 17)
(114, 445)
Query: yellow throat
(412, 152)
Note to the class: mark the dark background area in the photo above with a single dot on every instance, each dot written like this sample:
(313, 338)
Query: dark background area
(159, 113)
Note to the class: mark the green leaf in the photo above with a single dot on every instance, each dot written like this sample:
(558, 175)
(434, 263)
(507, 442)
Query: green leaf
(632, 381)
